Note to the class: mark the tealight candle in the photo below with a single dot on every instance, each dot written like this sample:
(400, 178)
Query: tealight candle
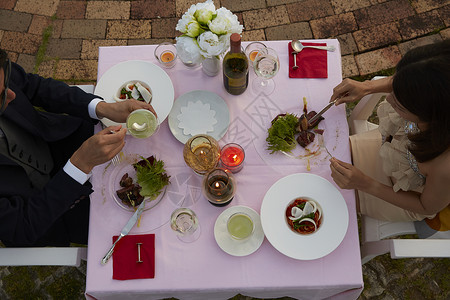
(219, 187)
(232, 157)
(166, 54)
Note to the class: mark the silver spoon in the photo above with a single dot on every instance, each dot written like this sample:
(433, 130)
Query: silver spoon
(294, 67)
(298, 46)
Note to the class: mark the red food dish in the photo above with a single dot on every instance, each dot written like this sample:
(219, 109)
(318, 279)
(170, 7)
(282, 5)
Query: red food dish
(304, 224)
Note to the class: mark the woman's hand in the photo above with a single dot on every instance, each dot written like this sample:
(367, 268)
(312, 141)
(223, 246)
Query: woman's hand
(99, 148)
(349, 91)
(119, 111)
(347, 176)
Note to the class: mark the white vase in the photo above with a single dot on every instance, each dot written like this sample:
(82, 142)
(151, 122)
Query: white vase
(211, 66)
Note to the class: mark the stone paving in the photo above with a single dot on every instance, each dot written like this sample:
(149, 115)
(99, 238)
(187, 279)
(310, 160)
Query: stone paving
(60, 39)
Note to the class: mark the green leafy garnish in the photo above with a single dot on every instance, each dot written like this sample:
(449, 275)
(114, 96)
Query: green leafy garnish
(297, 224)
(152, 177)
(281, 134)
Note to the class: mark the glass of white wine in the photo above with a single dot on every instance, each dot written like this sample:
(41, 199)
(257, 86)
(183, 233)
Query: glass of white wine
(266, 65)
(142, 123)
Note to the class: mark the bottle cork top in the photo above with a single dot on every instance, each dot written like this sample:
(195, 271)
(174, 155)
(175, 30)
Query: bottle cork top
(235, 42)
(235, 38)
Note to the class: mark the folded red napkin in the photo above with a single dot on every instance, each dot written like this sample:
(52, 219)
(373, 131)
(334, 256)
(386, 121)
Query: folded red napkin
(312, 63)
(125, 257)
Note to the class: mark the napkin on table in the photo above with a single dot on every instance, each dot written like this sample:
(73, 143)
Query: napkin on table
(125, 256)
(312, 63)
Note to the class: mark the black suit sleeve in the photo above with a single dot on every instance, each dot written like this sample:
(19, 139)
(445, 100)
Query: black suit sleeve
(50, 94)
(26, 218)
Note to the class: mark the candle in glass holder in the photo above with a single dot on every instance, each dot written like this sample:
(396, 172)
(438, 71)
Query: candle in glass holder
(166, 54)
(232, 157)
(219, 187)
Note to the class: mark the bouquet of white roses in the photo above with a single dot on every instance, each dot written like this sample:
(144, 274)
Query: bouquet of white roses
(206, 32)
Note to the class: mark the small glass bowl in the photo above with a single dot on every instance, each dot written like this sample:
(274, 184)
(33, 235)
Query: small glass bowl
(252, 50)
(166, 54)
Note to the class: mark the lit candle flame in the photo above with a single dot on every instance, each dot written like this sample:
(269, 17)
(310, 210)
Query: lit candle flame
(235, 157)
(217, 185)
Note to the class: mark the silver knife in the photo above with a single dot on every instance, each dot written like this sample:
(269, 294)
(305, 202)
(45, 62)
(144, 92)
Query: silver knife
(311, 121)
(125, 230)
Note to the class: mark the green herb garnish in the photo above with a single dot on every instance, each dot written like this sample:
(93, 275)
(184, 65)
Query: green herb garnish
(151, 177)
(297, 222)
(281, 134)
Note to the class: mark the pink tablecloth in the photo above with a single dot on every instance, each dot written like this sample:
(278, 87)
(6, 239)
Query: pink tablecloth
(201, 270)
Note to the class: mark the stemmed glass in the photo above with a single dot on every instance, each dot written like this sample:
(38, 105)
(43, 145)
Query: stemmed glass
(266, 65)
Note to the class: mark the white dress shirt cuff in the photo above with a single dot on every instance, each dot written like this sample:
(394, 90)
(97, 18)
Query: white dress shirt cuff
(92, 106)
(76, 173)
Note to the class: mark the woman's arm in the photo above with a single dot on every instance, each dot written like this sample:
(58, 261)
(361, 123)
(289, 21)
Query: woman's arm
(434, 198)
(350, 90)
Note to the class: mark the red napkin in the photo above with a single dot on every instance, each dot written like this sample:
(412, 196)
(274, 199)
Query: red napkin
(312, 63)
(125, 257)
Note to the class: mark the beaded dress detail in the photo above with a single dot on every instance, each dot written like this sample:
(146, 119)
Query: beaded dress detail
(398, 162)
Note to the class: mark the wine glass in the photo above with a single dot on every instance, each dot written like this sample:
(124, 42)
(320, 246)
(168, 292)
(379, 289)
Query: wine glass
(266, 65)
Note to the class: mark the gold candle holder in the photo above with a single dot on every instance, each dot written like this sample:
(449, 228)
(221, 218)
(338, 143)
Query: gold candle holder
(201, 153)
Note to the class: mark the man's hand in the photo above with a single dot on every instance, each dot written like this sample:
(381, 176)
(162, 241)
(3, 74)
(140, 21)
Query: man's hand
(99, 148)
(119, 111)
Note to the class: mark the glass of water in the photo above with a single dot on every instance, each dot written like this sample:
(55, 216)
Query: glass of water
(184, 222)
(266, 65)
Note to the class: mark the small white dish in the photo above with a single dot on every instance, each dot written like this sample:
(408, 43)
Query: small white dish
(216, 103)
(196, 118)
(232, 246)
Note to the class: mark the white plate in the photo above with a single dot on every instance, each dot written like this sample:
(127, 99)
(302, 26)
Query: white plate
(334, 223)
(216, 103)
(138, 70)
(232, 246)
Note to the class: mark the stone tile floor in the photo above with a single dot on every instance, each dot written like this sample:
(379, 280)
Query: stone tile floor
(60, 39)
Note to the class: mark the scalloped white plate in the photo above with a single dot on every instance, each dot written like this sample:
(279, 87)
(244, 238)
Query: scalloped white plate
(206, 97)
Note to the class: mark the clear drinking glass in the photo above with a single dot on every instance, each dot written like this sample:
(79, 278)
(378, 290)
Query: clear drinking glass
(184, 222)
(240, 226)
(266, 65)
(142, 123)
(166, 54)
(252, 50)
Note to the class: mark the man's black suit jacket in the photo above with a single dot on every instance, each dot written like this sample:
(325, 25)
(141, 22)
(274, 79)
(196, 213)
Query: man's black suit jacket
(25, 212)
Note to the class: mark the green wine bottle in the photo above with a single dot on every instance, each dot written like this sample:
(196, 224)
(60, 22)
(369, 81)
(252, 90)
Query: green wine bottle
(235, 67)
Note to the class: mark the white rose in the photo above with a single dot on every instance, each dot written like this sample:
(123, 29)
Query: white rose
(212, 45)
(188, 50)
(204, 12)
(225, 22)
(183, 23)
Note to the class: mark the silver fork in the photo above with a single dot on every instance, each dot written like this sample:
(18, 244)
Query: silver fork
(118, 157)
(322, 145)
